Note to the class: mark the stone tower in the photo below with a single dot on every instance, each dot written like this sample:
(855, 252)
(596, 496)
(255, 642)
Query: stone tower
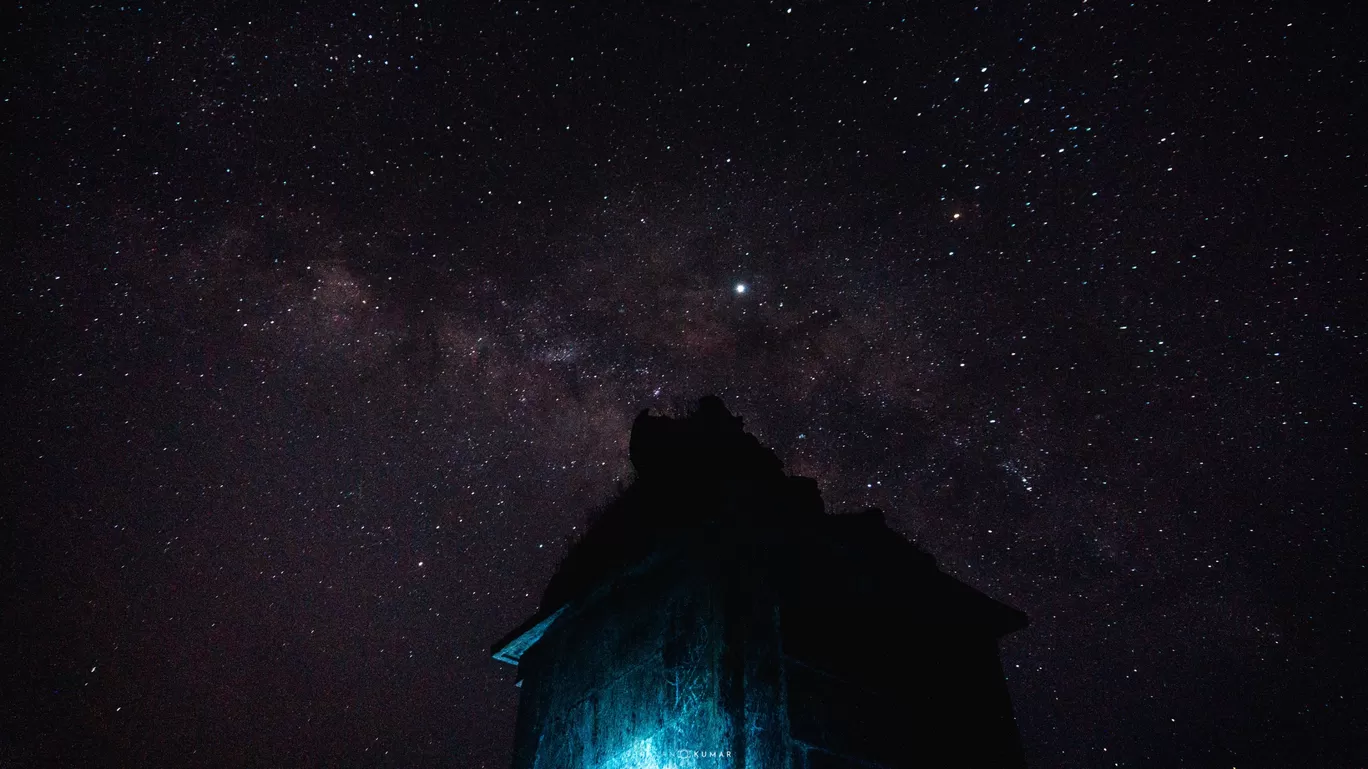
(714, 615)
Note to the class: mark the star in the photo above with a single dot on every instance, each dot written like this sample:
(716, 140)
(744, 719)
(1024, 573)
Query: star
(368, 316)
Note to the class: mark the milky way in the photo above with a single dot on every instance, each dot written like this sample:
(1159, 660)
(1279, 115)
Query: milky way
(329, 325)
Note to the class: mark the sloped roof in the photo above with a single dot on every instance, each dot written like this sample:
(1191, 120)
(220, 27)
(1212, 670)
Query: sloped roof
(704, 470)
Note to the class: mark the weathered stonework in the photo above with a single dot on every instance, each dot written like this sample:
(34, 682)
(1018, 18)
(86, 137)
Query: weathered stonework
(716, 616)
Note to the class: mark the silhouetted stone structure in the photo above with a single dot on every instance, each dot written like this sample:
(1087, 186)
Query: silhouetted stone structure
(715, 616)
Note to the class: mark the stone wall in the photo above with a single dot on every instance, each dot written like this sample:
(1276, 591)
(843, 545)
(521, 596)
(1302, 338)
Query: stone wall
(634, 679)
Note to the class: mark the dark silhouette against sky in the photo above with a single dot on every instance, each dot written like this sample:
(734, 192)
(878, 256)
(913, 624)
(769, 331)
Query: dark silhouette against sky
(715, 610)
(328, 323)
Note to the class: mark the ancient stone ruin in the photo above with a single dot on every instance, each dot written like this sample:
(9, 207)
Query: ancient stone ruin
(714, 615)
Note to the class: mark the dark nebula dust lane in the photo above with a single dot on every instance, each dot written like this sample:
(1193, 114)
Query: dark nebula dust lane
(328, 323)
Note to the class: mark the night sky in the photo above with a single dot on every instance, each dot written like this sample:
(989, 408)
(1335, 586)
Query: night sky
(327, 324)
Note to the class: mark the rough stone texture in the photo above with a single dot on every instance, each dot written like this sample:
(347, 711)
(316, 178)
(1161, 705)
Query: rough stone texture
(632, 678)
(715, 616)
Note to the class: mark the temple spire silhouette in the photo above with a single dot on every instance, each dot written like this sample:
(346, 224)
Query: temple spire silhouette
(715, 615)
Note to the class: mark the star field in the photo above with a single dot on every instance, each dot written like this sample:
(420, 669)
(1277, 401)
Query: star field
(328, 324)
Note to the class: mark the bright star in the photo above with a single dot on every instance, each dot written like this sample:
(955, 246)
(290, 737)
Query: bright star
(740, 288)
